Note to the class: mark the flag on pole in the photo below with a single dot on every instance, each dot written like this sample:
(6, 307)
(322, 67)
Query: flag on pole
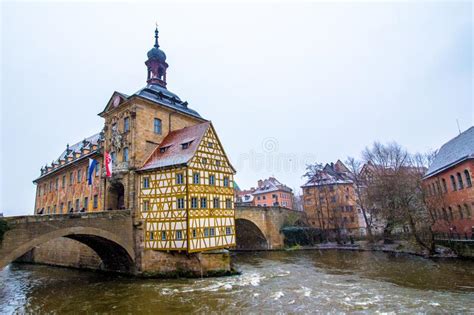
(92, 165)
(108, 164)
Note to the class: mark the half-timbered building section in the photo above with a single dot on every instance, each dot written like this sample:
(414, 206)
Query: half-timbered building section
(186, 194)
(211, 211)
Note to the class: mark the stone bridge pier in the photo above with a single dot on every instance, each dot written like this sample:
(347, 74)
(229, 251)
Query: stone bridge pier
(259, 228)
(109, 234)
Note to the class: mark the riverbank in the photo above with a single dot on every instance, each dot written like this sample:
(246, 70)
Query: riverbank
(398, 247)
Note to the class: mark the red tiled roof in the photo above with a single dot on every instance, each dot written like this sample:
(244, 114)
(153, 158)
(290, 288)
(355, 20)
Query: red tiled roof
(174, 153)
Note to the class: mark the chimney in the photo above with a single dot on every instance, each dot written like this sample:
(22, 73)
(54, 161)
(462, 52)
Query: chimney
(260, 183)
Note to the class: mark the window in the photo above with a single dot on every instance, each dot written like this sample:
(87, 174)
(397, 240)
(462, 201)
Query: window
(196, 178)
(451, 215)
(216, 203)
(125, 154)
(226, 181)
(438, 187)
(126, 124)
(258, 198)
(445, 188)
(95, 203)
(453, 183)
(264, 197)
(86, 203)
(114, 157)
(179, 179)
(69, 206)
(333, 199)
(194, 233)
(206, 232)
(445, 214)
(50, 186)
(61, 207)
(212, 179)
(218, 163)
(185, 145)
(157, 126)
(461, 215)
(163, 235)
(203, 202)
(179, 235)
(152, 236)
(71, 178)
(180, 203)
(228, 203)
(146, 182)
(204, 161)
(212, 231)
(77, 204)
(146, 205)
(468, 178)
(210, 144)
(468, 210)
(461, 184)
(228, 230)
(79, 175)
(57, 183)
(194, 202)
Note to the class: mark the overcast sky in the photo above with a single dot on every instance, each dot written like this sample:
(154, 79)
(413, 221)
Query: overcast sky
(284, 84)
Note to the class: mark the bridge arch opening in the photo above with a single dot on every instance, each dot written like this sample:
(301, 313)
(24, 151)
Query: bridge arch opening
(249, 236)
(114, 256)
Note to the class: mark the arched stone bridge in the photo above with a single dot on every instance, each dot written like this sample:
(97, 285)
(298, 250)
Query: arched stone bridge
(259, 228)
(109, 234)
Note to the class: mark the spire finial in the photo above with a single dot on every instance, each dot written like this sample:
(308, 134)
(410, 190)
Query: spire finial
(156, 35)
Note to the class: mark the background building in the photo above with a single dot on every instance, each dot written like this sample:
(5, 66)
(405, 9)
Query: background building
(269, 193)
(448, 186)
(330, 201)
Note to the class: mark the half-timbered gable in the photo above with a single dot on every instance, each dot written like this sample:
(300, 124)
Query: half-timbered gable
(186, 194)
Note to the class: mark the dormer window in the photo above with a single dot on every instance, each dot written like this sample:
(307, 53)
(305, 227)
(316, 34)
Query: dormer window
(164, 149)
(185, 145)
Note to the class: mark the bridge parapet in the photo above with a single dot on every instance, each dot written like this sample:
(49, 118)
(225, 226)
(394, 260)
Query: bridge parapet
(109, 214)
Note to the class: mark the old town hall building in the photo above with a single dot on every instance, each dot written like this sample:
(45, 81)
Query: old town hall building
(169, 168)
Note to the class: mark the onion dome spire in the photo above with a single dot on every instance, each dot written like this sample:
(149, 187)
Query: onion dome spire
(156, 64)
(156, 37)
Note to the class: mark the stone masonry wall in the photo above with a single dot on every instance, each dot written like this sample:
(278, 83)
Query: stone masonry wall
(63, 252)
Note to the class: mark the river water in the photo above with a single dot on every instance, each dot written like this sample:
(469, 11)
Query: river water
(270, 282)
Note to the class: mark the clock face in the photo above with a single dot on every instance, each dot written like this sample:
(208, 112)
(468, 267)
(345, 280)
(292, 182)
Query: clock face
(116, 100)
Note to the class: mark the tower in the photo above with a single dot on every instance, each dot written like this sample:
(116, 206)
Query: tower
(156, 64)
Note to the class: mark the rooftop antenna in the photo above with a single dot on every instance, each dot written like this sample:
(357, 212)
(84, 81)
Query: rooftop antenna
(459, 128)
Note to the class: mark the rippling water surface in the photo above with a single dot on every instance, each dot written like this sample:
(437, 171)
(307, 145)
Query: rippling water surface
(284, 282)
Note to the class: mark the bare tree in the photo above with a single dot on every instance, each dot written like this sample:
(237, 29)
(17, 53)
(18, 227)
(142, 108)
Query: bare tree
(396, 189)
(360, 186)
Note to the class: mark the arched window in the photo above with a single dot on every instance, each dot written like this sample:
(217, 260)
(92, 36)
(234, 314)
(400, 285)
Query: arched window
(461, 184)
(444, 185)
(461, 215)
(453, 182)
(445, 214)
(468, 178)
